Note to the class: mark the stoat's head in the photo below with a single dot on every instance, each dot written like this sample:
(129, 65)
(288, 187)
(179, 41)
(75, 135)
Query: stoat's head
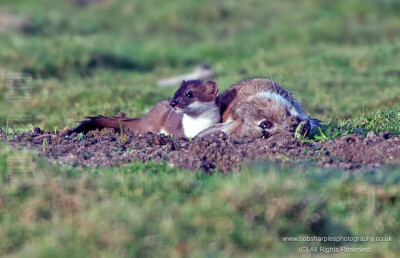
(195, 97)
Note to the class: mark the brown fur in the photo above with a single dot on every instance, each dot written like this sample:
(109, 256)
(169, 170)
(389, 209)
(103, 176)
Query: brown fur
(242, 111)
(245, 118)
(241, 91)
(250, 113)
(202, 91)
(163, 117)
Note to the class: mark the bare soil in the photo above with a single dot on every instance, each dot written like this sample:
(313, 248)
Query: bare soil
(107, 148)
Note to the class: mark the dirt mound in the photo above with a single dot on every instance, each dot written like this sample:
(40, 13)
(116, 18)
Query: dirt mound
(108, 148)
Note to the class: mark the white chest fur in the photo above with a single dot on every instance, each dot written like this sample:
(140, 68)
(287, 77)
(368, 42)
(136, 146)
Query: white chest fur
(192, 125)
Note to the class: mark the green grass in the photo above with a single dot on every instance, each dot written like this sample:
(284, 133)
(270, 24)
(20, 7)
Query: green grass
(340, 59)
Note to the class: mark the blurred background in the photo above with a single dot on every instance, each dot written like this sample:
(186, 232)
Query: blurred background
(62, 60)
(86, 57)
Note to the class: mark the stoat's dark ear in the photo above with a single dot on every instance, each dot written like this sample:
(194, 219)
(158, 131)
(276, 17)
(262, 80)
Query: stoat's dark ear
(213, 86)
(183, 82)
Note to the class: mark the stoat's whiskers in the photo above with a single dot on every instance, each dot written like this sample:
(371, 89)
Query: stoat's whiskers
(170, 111)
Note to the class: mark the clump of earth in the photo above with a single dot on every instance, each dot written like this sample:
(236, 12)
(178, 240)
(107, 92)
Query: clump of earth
(108, 148)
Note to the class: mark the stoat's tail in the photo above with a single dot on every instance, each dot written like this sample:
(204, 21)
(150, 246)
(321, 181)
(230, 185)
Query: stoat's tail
(100, 122)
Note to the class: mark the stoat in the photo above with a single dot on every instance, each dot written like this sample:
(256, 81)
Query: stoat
(259, 106)
(192, 109)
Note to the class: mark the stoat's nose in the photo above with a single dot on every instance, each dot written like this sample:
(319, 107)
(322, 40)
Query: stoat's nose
(173, 103)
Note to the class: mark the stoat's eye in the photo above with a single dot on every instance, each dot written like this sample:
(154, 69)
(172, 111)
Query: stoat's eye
(266, 124)
(189, 95)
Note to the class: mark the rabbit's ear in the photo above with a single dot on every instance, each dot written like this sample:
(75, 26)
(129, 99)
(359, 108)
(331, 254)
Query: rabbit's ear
(228, 127)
